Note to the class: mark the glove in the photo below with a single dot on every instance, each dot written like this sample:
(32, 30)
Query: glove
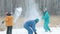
(35, 32)
(2, 22)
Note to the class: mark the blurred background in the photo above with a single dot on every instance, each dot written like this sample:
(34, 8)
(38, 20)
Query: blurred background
(30, 9)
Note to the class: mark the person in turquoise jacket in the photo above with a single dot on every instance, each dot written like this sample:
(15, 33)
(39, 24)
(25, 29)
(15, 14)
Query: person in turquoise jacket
(46, 18)
(30, 26)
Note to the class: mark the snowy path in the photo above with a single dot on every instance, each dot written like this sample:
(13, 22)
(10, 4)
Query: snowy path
(39, 31)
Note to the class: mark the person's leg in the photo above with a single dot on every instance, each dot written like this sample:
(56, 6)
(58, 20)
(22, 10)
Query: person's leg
(10, 29)
(48, 28)
(7, 30)
(29, 29)
(45, 27)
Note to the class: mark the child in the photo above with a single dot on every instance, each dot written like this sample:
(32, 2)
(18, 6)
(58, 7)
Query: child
(9, 23)
(46, 20)
(30, 26)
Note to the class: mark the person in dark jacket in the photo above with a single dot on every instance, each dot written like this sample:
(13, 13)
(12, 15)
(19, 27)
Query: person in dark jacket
(9, 23)
(30, 26)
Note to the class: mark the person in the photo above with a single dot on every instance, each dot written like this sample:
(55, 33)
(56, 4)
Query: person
(9, 23)
(30, 26)
(46, 18)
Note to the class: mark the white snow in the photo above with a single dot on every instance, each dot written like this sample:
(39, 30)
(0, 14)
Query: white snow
(55, 30)
(17, 13)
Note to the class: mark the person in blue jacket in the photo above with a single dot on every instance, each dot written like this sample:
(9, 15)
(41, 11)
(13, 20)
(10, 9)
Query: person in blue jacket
(30, 26)
(46, 18)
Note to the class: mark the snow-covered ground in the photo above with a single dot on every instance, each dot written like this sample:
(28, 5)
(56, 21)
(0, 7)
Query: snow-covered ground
(55, 30)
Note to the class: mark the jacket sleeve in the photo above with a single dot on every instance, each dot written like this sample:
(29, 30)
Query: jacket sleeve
(33, 27)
